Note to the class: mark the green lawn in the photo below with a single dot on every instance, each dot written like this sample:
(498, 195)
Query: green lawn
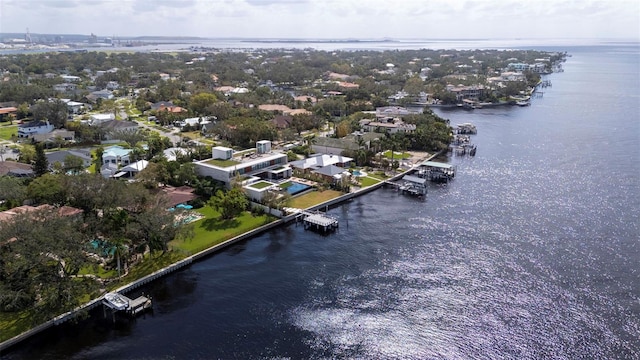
(222, 163)
(12, 324)
(150, 264)
(378, 175)
(313, 198)
(212, 231)
(98, 271)
(367, 181)
(260, 185)
(6, 131)
(397, 155)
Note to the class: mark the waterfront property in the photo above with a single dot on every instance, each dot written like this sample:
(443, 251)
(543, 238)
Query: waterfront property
(118, 302)
(315, 220)
(436, 171)
(249, 165)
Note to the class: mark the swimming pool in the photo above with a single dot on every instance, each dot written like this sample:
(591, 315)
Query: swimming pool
(358, 173)
(296, 188)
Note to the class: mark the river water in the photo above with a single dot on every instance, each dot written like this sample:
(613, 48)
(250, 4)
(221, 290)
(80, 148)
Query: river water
(532, 252)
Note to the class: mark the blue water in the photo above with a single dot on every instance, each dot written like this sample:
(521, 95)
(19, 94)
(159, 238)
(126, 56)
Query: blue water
(297, 188)
(532, 252)
(356, 172)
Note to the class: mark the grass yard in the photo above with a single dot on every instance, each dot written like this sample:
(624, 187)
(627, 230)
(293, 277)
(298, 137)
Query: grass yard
(6, 131)
(222, 163)
(212, 231)
(396, 155)
(150, 264)
(367, 181)
(378, 175)
(98, 271)
(313, 198)
(261, 184)
(12, 324)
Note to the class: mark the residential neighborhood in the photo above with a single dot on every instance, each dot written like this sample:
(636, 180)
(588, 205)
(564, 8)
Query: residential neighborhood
(129, 155)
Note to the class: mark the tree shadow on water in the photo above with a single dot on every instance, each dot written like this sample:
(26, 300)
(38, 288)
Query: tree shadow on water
(219, 224)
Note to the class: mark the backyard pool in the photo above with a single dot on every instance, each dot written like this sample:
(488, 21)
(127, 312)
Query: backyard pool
(296, 188)
(359, 173)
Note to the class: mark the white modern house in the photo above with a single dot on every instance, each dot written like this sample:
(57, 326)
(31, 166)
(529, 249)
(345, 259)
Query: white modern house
(34, 127)
(248, 165)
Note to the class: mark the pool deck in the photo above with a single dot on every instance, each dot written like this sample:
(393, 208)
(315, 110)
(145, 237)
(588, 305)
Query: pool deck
(303, 181)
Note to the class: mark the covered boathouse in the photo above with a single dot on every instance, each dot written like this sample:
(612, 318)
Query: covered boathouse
(436, 171)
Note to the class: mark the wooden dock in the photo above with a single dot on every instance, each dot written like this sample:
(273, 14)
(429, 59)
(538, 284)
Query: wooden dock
(436, 171)
(315, 220)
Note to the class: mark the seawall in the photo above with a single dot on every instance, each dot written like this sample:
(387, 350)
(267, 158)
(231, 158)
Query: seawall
(187, 261)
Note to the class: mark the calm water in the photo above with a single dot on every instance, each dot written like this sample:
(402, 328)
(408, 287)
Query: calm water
(532, 252)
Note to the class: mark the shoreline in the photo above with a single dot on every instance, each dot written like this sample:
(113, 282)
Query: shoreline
(197, 256)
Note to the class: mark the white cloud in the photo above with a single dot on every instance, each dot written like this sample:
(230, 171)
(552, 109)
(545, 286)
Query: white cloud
(328, 18)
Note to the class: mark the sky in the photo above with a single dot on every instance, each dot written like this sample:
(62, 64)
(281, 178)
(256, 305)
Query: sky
(322, 19)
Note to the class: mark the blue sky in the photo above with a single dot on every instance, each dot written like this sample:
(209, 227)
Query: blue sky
(398, 19)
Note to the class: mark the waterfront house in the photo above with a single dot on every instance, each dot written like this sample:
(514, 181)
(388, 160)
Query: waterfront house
(393, 112)
(34, 127)
(247, 165)
(319, 161)
(66, 211)
(466, 92)
(331, 173)
(256, 190)
(387, 125)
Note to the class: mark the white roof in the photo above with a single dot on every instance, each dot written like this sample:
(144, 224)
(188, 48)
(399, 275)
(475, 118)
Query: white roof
(136, 166)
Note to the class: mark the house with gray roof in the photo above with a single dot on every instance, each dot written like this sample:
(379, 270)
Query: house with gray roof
(60, 157)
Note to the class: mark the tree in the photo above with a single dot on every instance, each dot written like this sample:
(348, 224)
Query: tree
(414, 86)
(229, 203)
(97, 161)
(55, 112)
(12, 191)
(47, 189)
(154, 174)
(186, 174)
(132, 137)
(74, 164)
(39, 269)
(40, 162)
(200, 103)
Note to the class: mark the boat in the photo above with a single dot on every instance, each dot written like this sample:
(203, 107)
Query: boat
(523, 103)
(116, 301)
